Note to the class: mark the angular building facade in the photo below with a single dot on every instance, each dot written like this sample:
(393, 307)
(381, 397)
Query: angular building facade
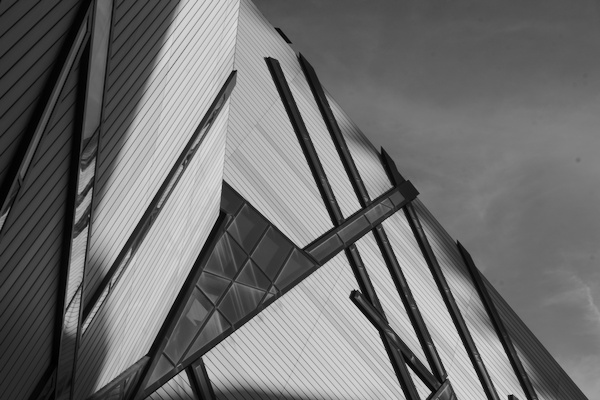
(186, 213)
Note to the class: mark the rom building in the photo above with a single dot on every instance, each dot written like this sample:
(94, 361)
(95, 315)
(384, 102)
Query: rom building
(186, 213)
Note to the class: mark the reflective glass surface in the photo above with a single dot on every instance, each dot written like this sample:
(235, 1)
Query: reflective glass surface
(296, 265)
(226, 258)
(114, 394)
(253, 276)
(163, 366)
(247, 228)
(377, 213)
(213, 328)
(212, 286)
(239, 301)
(397, 198)
(271, 252)
(230, 202)
(350, 233)
(330, 246)
(196, 310)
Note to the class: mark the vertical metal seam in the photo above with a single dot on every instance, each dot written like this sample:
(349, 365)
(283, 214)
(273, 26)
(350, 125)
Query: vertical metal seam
(496, 320)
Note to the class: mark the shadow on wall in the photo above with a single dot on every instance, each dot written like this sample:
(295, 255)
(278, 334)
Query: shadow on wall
(138, 33)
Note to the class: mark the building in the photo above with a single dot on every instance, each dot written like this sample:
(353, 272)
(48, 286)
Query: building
(187, 213)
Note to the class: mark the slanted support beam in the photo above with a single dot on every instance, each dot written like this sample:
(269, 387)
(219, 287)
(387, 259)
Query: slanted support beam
(93, 305)
(13, 181)
(501, 331)
(200, 381)
(81, 191)
(379, 232)
(450, 302)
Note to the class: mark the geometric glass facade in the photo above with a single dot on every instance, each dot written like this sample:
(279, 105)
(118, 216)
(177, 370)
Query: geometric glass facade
(186, 213)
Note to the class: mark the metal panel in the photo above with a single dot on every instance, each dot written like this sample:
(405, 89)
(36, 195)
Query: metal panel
(152, 109)
(365, 156)
(498, 324)
(178, 388)
(435, 314)
(264, 160)
(310, 343)
(30, 253)
(549, 380)
(127, 324)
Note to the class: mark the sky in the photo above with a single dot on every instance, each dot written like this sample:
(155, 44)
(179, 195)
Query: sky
(492, 109)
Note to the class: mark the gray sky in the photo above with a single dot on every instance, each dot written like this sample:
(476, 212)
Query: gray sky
(492, 109)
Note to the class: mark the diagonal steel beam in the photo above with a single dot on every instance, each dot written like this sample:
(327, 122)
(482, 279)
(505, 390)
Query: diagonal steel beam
(81, 191)
(501, 330)
(156, 205)
(10, 187)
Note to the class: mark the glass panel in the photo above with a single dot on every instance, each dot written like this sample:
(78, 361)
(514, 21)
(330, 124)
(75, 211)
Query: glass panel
(163, 366)
(196, 310)
(252, 275)
(350, 233)
(114, 394)
(239, 301)
(376, 213)
(329, 247)
(230, 201)
(271, 252)
(387, 203)
(294, 268)
(226, 258)
(247, 228)
(213, 328)
(212, 286)
(397, 198)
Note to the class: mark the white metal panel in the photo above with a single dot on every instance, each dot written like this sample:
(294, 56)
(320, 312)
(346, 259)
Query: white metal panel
(388, 294)
(311, 343)
(265, 162)
(435, 314)
(30, 255)
(478, 322)
(151, 114)
(178, 388)
(549, 380)
(129, 320)
(366, 157)
(321, 138)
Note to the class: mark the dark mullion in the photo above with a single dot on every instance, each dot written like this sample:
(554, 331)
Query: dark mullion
(337, 218)
(335, 132)
(200, 380)
(445, 392)
(304, 139)
(410, 305)
(155, 207)
(168, 326)
(378, 320)
(450, 302)
(361, 192)
(13, 181)
(501, 331)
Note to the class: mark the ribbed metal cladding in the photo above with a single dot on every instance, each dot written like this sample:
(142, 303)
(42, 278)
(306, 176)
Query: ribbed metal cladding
(335, 213)
(502, 332)
(450, 302)
(379, 232)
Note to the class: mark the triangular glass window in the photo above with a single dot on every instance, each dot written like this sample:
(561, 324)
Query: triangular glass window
(271, 252)
(213, 328)
(247, 228)
(252, 275)
(239, 301)
(295, 266)
(194, 314)
(226, 258)
(212, 286)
